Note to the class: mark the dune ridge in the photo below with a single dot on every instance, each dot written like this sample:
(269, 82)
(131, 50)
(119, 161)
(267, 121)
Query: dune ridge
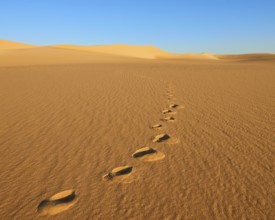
(18, 54)
(145, 52)
(9, 45)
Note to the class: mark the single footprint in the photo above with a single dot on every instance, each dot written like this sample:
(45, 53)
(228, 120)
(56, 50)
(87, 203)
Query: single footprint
(157, 126)
(119, 173)
(173, 106)
(57, 203)
(176, 106)
(148, 154)
(165, 111)
(168, 119)
(168, 111)
(161, 138)
(166, 138)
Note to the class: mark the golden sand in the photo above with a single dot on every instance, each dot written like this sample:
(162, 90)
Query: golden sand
(69, 117)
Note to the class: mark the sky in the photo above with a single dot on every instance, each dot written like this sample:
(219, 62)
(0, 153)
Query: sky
(179, 26)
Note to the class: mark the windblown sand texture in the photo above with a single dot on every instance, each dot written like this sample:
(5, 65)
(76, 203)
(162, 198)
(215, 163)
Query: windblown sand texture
(91, 121)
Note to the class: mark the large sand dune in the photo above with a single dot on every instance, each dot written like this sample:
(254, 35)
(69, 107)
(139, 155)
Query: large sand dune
(106, 136)
(145, 52)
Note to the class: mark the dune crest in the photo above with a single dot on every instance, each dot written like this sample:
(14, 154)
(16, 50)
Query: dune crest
(145, 52)
(10, 45)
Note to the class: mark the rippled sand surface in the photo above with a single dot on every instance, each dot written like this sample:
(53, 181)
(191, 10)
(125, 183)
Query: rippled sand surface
(68, 134)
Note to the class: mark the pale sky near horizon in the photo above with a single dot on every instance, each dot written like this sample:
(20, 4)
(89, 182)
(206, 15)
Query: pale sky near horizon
(179, 26)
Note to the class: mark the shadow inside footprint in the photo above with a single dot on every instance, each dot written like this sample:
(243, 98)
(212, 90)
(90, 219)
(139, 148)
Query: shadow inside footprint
(119, 171)
(148, 154)
(143, 151)
(173, 106)
(161, 138)
(57, 203)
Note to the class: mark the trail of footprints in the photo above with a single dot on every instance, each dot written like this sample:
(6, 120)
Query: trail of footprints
(64, 200)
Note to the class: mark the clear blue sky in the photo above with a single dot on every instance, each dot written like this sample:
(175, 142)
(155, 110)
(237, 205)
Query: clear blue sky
(215, 26)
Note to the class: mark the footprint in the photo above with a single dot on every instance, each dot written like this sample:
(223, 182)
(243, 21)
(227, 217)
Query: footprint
(161, 138)
(57, 203)
(157, 126)
(119, 173)
(168, 111)
(148, 154)
(165, 111)
(168, 119)
(166, 138)
(176, 106)
(173, 106)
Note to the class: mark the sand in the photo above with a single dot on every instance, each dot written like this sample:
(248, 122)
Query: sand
(67, 123)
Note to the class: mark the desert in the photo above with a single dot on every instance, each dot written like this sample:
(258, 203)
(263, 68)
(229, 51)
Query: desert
(135, 132)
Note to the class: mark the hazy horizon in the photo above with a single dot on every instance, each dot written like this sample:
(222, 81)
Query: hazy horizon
(183, 52)
(219, 27)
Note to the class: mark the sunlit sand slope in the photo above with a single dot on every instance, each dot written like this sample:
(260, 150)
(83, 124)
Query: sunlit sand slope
(54, 56)
(9, 45)
(145, 52)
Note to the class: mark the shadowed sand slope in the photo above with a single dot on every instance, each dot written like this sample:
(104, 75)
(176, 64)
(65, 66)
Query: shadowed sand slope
(67, 126)
(248, 57)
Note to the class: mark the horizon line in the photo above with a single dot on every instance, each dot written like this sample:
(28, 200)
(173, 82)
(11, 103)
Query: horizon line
(124, 44)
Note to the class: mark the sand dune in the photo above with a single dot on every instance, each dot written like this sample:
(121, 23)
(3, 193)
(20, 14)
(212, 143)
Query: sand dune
(94, 124)
(190, 56)
(10, 45)
(145, 52)
(19, 54)
(53, 56)
(247, 57)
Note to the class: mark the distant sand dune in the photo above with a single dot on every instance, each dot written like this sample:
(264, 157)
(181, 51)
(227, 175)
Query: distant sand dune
(190, 56)
(247, 57)
(20, 54)
(10, 45)
(52, 55)
(145, 52)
